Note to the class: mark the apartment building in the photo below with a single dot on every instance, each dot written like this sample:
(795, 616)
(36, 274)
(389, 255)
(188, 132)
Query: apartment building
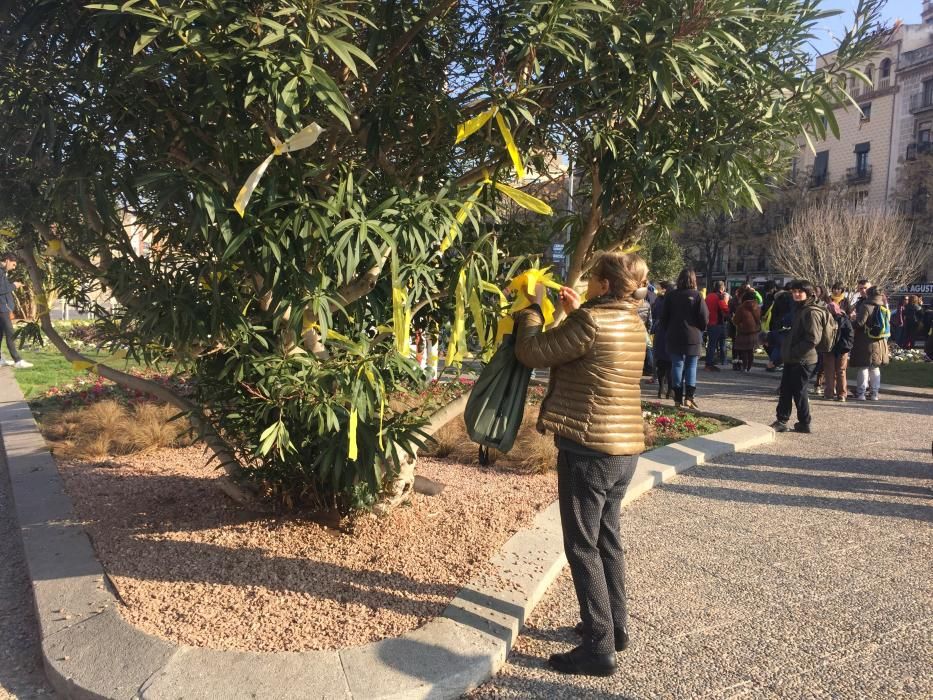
(873, 139)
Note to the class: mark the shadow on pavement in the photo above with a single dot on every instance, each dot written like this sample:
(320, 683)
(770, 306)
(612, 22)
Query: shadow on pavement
(875, 492)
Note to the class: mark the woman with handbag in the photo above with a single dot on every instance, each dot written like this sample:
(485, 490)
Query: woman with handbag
(593, 408)
(685, 318)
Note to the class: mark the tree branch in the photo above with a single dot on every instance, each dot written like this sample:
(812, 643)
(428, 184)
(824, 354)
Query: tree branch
(212, 439)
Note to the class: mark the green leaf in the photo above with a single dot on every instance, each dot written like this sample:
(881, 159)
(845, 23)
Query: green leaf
(146, 38)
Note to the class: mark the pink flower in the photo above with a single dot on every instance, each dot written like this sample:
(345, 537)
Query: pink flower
(663, 420)
(690, 425)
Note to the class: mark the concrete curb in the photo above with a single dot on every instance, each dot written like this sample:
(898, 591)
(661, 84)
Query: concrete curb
(89, 651)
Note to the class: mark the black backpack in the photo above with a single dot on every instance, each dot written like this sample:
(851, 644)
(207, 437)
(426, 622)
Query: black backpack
(496, 405)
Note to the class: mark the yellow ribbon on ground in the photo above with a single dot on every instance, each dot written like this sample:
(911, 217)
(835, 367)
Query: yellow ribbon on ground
(510, 147)
(471, 126)
(302, 139)
(82, 364)
(54, 247)
(352, 451)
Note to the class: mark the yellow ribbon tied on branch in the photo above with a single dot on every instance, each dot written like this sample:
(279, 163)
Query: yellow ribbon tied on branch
(352, 450)
(520, 197)
(474, 124)
(302, 139)
(457, 347)
(401, 310)
(524, 287)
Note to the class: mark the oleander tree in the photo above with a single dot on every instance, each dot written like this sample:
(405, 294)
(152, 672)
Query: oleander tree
(308, 175)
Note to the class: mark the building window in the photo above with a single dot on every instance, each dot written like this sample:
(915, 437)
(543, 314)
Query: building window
(861, 158)
(870, 74)
(820, 165)
(923, 132)
(866, 111)
(861, 162)
(927, 93)
(886, 68)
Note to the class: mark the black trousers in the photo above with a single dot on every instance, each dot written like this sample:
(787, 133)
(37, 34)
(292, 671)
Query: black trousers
(794, 381)
(7, 328)
(590, 491)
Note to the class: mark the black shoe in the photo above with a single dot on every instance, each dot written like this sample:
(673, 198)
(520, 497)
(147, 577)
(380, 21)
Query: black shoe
(779, 426)
(801, 427)
(621, 636)
(582, 662)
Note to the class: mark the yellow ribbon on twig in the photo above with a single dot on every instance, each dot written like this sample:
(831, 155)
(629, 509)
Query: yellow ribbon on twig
(302, 139)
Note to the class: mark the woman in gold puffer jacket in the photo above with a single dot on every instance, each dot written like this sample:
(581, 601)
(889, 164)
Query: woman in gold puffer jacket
(593, 408)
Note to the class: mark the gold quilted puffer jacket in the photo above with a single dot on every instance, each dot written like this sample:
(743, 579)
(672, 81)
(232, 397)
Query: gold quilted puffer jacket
(596, 357)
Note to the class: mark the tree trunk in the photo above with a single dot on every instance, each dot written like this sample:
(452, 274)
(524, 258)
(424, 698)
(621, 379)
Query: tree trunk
(403, 485)
(201, 423)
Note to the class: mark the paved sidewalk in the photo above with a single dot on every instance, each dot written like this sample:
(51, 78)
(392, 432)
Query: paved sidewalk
(800, 569)
(21, 674)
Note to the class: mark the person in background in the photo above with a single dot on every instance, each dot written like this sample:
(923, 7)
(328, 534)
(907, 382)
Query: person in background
(838, 294)
(644, 313)
(913, 319)
(770, 290)
(822, 297)
(782, 312)
(869, 354)
(897, 323)
(717, 311)
(662, 361)
(7, 307)
(593, 408)
(799, 354)
(735, 299)
(747, 320)
(928, 324)
(836, 361)
(685, 317)
(855, 297)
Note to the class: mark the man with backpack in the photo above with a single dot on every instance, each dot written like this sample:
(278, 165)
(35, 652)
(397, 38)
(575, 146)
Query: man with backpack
(872, 326)
(812, 329)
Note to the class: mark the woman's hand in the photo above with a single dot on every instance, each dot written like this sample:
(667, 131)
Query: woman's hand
(569, 299)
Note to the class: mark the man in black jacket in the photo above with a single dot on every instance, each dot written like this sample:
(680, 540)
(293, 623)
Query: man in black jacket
(7, 306)
(799, 355)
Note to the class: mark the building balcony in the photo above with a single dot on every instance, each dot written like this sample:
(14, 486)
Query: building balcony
(918, 149)
(920, 103)
(858, 174)
(819, 180)
(917, 57)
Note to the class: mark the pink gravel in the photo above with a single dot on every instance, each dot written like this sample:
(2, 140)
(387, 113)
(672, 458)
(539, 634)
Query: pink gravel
(192, 567)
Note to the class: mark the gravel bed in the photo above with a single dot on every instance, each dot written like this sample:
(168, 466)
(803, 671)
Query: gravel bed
(193, 568)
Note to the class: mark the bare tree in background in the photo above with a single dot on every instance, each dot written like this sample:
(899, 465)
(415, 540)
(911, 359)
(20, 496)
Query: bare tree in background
(829, 241)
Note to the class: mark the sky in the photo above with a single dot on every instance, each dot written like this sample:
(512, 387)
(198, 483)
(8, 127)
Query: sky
(906, 10)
